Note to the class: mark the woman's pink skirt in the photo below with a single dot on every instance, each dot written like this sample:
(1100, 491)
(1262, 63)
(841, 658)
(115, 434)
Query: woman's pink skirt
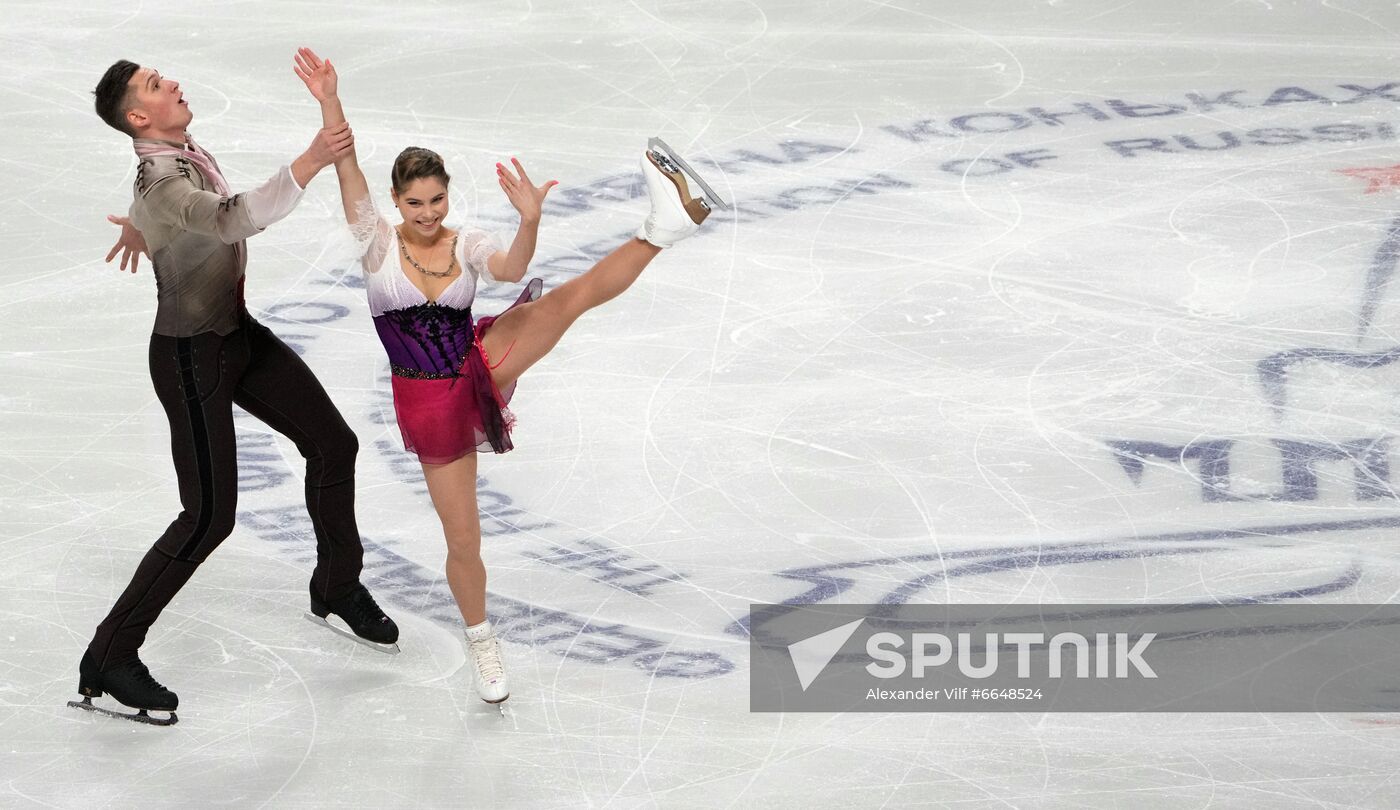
(443, 420)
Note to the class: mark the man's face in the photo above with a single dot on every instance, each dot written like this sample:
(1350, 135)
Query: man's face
(158, 106)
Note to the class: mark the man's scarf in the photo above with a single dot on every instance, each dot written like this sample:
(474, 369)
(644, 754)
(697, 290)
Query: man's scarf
(197, 155)
(194, 154)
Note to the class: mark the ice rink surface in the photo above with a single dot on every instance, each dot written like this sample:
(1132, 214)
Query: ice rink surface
(1066, 301)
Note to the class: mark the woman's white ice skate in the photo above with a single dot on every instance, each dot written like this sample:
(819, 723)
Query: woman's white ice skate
(675, 214)
(488, 671)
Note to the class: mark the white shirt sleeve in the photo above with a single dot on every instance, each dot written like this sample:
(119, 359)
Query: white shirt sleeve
(476, 247)
(273, 200)
(175, 200)
(372, 235)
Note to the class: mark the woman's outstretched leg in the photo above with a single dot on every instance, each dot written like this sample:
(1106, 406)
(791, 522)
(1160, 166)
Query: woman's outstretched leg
(520, 337)
(526, 333)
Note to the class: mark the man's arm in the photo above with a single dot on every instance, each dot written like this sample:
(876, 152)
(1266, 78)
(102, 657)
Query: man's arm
(171, 197)
(176, 200)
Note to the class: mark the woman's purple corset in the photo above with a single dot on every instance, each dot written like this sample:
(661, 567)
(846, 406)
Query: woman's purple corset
(426, 338)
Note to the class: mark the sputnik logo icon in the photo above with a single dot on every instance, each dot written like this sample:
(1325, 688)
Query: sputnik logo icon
(811, 655)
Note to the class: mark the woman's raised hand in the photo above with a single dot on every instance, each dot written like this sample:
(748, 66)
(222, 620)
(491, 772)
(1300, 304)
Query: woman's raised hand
(318, 75)
(527, 197)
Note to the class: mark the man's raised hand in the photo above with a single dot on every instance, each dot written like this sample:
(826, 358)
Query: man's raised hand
(332, 143)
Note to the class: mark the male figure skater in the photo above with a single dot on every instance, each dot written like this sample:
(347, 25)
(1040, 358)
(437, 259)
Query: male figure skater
(206, 355)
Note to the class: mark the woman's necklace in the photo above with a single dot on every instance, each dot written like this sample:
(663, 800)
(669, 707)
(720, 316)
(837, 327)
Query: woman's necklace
(403, 247)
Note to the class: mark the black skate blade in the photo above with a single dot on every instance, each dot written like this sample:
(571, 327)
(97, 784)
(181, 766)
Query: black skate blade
(139, 717)
(387, 649)
(711, 196)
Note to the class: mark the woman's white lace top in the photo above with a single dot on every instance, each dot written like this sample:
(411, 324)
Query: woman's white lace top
(376, 244)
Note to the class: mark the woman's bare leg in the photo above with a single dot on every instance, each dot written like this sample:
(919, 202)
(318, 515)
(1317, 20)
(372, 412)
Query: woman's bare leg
(453, 490)
(516, 341)
(520, 337)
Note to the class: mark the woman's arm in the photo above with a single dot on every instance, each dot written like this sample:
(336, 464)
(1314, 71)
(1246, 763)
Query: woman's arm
(510, 265)
(321, 79)
(527, 199)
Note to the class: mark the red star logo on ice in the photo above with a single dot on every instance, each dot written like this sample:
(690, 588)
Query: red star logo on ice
(1376, 179)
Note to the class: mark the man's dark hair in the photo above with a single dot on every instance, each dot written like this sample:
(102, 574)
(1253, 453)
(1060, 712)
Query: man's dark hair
(111, 95)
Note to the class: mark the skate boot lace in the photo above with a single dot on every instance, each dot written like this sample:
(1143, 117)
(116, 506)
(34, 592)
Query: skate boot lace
(365, 608)
(486, 653)
(143, 676)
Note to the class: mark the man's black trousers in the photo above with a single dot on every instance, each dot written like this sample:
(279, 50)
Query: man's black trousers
(198, 380)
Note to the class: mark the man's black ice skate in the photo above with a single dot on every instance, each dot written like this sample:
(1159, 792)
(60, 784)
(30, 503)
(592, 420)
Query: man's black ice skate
(131, 684)
(366, 622)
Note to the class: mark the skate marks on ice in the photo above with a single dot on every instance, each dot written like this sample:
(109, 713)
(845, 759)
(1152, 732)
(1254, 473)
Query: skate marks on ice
(422, 591)
(1274, 369)
(1320, 390)
(303, 748)
(1317, 571)
(1281, 117)
(337, 628)
(1299, 457)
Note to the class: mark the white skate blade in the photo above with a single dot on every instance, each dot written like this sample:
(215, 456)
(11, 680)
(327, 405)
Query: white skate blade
(498, 705)
(387, 649)
(139, 717)
(711, 196)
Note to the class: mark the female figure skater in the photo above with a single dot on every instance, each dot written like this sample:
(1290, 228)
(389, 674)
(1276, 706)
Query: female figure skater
(452, 379)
